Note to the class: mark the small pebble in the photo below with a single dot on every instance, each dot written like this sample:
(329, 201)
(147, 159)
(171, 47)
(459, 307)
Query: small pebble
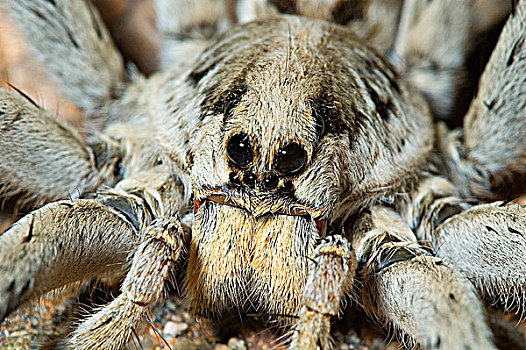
(237, 344)
(173, 329)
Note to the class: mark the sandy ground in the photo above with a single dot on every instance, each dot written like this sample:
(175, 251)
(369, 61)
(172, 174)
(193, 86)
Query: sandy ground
(131, 23)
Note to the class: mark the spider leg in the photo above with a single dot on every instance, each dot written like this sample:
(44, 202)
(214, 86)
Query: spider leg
(60, 243)
(331, 275)
(488, 159)
(405, 286)
(152, 267)
(69, 37)
(487, 242)
(187, 27)
(433, 41)
(74, 240)
(431, 45)
(46, 158)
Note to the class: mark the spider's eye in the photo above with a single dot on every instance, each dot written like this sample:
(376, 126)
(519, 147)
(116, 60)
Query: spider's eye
(290, 159)
(239, 150)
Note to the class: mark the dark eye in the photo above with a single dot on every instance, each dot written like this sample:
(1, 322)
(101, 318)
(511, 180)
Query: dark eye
(239, 150)
(290, 159)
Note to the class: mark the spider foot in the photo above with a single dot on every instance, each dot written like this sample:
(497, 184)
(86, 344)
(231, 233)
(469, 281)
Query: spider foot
(153, 265)
(406, 287)
(330, 277)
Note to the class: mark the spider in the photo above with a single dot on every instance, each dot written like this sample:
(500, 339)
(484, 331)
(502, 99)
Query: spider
(276, 165)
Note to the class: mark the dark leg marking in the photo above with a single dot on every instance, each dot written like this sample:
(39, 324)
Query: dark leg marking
(29, 236)
(285, 6)
(25, 288)
(515, 51)
(512, 230)
(123, 206)
(11, 286)
(347, 11)
(489, 228)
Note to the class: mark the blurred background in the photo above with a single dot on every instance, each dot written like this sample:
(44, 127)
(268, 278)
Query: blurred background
(132, 26)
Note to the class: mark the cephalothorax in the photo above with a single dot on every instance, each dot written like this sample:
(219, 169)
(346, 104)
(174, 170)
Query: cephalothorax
(302, 157)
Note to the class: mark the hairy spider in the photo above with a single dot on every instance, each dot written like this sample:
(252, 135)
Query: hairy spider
(275, 167)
